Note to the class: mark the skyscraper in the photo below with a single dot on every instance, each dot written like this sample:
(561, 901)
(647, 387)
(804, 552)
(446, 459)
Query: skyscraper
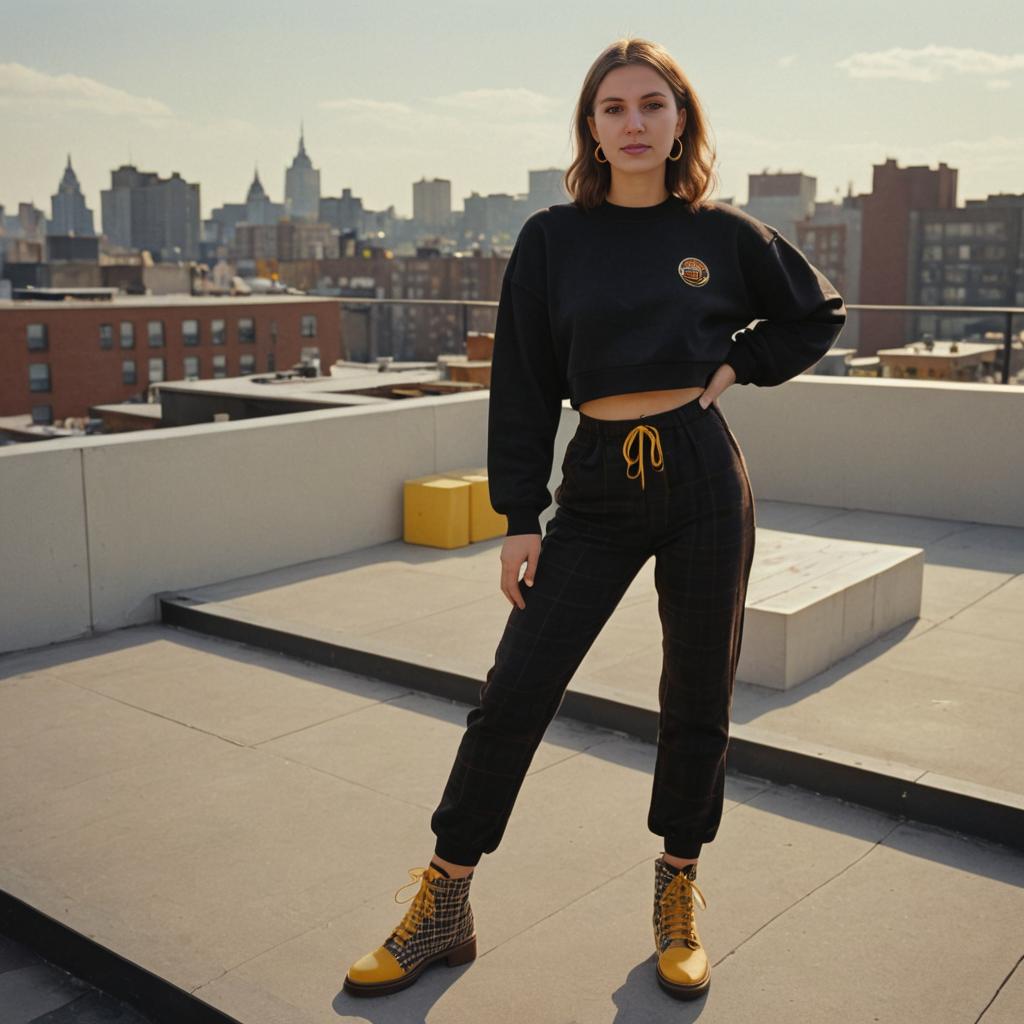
(432, 203)
(70, 215)
(141, 210)
(546, 189)
(302, 185)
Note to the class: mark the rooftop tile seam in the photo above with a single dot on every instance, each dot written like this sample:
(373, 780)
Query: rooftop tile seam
(292, 759)
(999, 988)
(565, 906)
(370, 705)
(952, 804)
(821, 885)
(336, 914)
(155, 714)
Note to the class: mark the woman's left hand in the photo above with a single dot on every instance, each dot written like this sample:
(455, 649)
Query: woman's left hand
(724, 376)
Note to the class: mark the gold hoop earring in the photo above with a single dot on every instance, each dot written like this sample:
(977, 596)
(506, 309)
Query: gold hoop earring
(674, 158)
(599, 159)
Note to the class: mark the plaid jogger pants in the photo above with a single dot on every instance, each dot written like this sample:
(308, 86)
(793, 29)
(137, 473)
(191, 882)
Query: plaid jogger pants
(673, 485)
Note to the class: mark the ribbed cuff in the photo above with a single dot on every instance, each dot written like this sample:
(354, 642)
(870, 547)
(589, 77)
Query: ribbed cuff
(686, 849)
(456, 855)
(522, 520)
(741, 359)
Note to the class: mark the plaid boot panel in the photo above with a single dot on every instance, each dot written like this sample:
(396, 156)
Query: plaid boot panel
(450, 924)
(663, 877)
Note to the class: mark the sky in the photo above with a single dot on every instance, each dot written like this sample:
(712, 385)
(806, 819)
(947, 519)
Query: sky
(481, 92)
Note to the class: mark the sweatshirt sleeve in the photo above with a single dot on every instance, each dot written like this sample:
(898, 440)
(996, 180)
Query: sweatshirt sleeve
(525, 394)
(800, 312)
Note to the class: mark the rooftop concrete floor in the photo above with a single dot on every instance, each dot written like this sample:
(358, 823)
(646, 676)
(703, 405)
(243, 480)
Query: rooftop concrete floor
(33, 991)
(237, 822)
(944, 693)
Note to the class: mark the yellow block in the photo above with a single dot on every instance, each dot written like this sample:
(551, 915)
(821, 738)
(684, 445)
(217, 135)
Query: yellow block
(484, 522)
(436, 511)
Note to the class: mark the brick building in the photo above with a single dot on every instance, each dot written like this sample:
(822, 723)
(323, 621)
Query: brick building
(885, 244)
(58, 359)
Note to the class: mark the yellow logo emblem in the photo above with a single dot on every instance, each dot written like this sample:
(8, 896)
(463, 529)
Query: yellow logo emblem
(694, 272)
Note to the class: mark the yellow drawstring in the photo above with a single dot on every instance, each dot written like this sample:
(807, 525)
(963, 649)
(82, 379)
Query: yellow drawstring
(677, 910)
(422, 906)
(657, 459)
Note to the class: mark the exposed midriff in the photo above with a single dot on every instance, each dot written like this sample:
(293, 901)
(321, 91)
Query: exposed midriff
(634, 404)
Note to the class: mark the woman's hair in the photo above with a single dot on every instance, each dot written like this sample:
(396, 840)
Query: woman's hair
(691, 177)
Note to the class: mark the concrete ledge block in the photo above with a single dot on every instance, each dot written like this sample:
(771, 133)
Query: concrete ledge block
(813, 601)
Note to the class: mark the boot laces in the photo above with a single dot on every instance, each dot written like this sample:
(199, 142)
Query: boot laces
(422, 906)
(677, 921)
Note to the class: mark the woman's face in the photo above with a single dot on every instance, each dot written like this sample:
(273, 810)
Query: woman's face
(635, 108)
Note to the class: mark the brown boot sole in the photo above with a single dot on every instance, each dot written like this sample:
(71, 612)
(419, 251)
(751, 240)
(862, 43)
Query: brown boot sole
(683, 991)
(457, 955)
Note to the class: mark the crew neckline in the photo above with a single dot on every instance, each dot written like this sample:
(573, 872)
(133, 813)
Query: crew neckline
(639, 212)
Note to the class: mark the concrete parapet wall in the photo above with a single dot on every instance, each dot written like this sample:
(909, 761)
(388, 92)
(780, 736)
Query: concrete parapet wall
(94, 527)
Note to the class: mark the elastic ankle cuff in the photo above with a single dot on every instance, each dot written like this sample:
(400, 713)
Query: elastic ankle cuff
(685, 849)
(457, 855)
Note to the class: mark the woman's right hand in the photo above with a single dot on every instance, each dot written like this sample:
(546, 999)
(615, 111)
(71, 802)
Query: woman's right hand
(518, 548)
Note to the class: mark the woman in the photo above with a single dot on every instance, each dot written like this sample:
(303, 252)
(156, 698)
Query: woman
(634, 302)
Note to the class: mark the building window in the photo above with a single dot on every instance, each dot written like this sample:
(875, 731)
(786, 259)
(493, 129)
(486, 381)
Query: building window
(37, 340)
(42, 414)
(217, 332)
(156, 370)
(39, 376)
(155, 330)
(246, 364)
(191, 367)
(106, 335)
(309, 326)
(271, 363)
(246, 329)
(127, 371)
(220, 366)
(127, 334)
(190, 332)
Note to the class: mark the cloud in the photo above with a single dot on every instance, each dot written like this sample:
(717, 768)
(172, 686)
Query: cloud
(787, 61)
(998, 83)
(21, 86)
(929, 63)
(371, 108)
(488, 102)
(477, 104)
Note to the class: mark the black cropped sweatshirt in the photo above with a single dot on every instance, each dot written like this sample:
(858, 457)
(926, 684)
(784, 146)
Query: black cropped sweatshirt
(619, 299)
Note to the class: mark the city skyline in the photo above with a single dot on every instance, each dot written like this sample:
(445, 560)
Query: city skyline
(436, 98)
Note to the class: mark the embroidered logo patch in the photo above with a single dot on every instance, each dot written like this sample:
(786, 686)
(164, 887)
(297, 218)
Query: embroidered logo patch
(694, 272)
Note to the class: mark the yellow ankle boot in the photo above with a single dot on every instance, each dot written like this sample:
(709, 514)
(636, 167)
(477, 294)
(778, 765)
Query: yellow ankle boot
(683, 967)
(438, 925)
